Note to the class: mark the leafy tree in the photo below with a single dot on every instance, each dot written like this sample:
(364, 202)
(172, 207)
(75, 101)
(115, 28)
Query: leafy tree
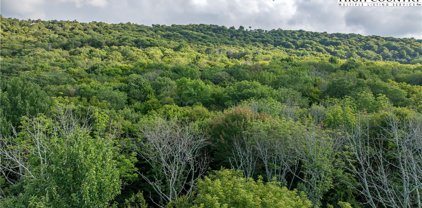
(344, 84)
(165, 89)
(191, 92)
(61, 167)
(341, 114)
(349, 65)
(225, 129)
(20, 98)
(395, 94)
(245, 90)
(138, 88)
(227, 188)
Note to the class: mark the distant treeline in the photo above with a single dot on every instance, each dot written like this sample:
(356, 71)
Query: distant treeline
(71, 34)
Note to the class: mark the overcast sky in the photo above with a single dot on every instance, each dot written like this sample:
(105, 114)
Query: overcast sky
(312, 15)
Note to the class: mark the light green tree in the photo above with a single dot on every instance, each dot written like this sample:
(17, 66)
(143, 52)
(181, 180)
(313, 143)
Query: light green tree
(228, 188)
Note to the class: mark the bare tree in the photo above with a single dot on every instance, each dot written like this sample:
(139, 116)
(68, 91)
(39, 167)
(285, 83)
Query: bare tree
(243, 157)
(33, 140)
(262, 148)
(13, 155)
(175, 154)
(389, 166)
(273, 153)
(302, 156)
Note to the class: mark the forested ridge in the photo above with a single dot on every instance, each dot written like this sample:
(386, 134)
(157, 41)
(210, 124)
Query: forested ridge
(69, 35)
(126, 115)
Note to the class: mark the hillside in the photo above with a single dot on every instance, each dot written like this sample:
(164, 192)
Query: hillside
(70, 35)
(125, 115)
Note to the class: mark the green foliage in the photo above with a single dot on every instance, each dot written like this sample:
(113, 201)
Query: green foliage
(341, 114)
(245, 90)
(19, 97)
(225, 129)
(68, 35)
(191, 92)
(64, 167)
(227, 188)
(294, 95)
(135, 201)
(349, 65)
(138, 89)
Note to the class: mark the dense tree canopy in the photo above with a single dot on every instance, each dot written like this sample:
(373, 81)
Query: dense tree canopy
(125, 115)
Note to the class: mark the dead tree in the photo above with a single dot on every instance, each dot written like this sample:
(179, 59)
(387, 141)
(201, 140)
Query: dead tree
(389, 166)
(13, 154)
(243, 157)
(273, 153)
(175, 154)
(301, 156)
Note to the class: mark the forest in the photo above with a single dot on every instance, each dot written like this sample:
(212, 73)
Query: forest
(206, 116)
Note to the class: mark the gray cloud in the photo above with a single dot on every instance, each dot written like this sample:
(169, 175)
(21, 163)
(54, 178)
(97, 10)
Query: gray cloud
(318, 15)
(393, 21)
(314, 15)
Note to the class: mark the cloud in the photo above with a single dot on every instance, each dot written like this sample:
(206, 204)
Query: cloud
(23, 8)
(393, 21)
(319, 15)
(313, 15)
(81, 3)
